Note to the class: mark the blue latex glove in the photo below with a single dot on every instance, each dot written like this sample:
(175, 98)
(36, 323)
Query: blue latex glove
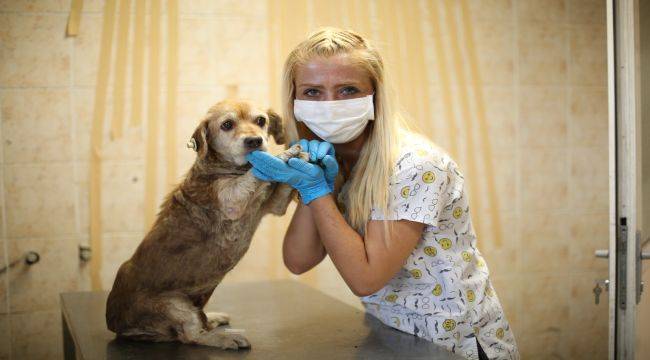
(308, 179)
(322, 152)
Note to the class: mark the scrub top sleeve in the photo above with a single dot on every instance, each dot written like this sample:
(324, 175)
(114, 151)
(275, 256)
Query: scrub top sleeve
(419, 191)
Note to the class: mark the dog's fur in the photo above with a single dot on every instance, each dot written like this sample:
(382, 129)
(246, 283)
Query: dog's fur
(203, 229)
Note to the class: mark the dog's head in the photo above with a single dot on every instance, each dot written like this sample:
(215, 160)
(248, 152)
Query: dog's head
(231, 129)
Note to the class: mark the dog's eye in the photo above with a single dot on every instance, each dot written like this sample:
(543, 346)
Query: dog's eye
(261, 121)
(227, 125)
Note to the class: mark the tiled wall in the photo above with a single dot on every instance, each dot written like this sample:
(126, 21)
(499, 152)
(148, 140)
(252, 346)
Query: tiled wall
(544, 72)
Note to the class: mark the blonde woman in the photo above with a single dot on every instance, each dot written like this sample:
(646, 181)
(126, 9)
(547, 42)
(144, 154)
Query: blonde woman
(398, 230)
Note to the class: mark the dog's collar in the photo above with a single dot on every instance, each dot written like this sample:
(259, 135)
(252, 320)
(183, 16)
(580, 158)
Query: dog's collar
(236, 171)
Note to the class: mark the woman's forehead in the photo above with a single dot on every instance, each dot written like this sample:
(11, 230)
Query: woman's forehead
(333, 69)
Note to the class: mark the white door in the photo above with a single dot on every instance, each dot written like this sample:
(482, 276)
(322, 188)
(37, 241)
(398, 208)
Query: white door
(629, 70)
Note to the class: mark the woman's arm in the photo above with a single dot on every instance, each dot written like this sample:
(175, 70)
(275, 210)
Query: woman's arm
(366, 264)
(302, 248)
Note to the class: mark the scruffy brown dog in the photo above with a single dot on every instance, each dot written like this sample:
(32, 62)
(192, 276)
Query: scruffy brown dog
(203, 229)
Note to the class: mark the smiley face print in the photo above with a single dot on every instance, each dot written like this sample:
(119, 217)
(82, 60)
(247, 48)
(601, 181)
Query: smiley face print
(416, 273)
(428, 177)
(437, 290)
(430, 250)
(466, 256)
(445, 243)
(470, 295)
(449, 324)
(391, 298)
(405, 191)
(458, 212)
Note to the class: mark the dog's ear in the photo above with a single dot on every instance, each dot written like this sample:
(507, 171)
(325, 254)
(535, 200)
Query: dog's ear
(276, 127)
(199, 140)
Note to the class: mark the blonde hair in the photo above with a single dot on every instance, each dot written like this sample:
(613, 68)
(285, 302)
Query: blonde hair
(368, 183)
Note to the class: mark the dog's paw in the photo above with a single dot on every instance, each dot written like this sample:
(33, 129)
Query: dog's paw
(234, 341)
(217, 318)
(293, 151)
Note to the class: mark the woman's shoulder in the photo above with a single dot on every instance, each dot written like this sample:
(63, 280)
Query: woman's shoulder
(419, 153)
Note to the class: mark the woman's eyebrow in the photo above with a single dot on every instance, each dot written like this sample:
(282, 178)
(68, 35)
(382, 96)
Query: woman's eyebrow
(347, 82)
(310, 85)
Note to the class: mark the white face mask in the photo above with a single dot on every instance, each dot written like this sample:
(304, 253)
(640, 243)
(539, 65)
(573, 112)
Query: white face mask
(337, 121)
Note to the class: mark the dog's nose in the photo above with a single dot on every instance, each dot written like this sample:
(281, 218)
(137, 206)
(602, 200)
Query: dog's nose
(253, 142)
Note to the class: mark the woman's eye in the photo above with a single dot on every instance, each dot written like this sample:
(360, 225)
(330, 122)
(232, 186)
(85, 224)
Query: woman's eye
(349, 90)
(311, 92)
(227, 125)
(261, 121)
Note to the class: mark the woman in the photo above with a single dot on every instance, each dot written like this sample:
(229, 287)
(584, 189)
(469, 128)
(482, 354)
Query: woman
(398, 230)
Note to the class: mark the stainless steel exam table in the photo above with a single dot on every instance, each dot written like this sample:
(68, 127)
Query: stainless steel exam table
(282, 320)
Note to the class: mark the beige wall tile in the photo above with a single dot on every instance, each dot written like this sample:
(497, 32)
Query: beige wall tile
(544, 243)
(589, 180)
(542, 116)
(35, 5)
(543, 55)
(122, 197)
(554, 11)
(587, 11)
(34, 51)
(584, 310)
(227, 35)
(36, 126)
(588, 343)
(501, 260)
(544, 178)
(503, 166)
(496, 10)
(588, 55)
(36, 287)
(551, 344)
(500, 116)
(242, 8)
(495, 51)
(39, 200)
(588, 116)
(588, 232)
(116, 249)
(86, 49)
(131, 146)
(545, 307)
(36, 335)
(198, 58)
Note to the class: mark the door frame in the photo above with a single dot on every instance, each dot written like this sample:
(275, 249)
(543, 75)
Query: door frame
(623, 48)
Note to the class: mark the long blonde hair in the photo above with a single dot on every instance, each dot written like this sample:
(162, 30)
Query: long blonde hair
(369, 179)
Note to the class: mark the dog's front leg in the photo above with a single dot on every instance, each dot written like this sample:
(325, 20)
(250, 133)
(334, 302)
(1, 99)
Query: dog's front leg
(279, 200)
(234, 194)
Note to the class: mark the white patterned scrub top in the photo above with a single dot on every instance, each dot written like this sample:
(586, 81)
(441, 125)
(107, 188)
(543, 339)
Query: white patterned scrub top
(443, 291)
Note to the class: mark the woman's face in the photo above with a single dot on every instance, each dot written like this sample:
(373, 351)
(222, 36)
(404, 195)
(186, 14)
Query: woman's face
(332, 78)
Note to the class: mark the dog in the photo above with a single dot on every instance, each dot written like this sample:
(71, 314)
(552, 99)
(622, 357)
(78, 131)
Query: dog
(202, 230)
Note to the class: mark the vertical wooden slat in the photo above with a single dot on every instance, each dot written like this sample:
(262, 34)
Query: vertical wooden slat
(120, 68)
(138, 62)
(96, 144)
(75, 17)
(463, 96)
(151, 158)
(443, 72)
(274, 57)
(486, 146)
(172, 87)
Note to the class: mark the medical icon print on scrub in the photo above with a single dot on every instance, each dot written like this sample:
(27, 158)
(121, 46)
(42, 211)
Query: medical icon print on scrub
(443, 292)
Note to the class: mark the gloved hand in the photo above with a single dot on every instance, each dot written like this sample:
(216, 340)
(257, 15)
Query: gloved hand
(322, 152)
(308, 179)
